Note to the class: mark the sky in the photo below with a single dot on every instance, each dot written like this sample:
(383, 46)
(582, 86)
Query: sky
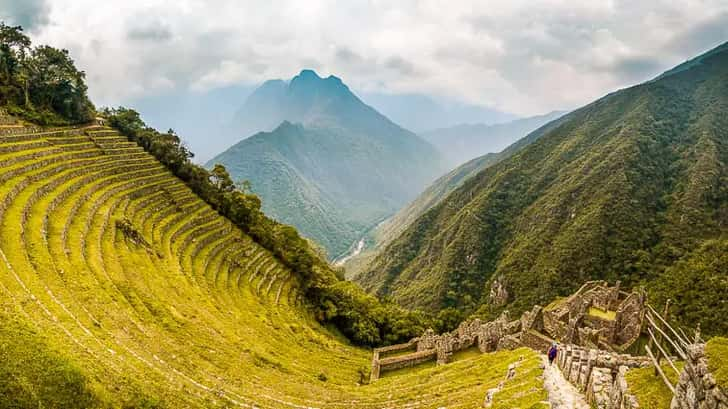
(520, 57)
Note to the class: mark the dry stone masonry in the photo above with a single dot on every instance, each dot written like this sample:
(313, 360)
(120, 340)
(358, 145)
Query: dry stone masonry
(596, 316)
(696, 387)
(600, 375)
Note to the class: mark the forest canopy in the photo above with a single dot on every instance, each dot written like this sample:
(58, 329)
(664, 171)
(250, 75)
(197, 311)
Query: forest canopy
(40, 84)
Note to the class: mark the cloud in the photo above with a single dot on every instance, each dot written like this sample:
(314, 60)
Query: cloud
(520, 56)
(704, 35)
(347, 56)
(400, 65)
(634, 69)
(148, 30)
(31, 14)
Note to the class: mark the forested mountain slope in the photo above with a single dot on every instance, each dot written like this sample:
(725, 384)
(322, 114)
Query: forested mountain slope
(395, 225)
(447, 183)
(334, 167)
(632, 187)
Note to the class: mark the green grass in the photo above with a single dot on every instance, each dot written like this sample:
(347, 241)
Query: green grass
(398, 353)
(600, 313)
(34, 374)
(466, 353)
(556, 303)
(716, 350)
(649, 389)
(409, 371)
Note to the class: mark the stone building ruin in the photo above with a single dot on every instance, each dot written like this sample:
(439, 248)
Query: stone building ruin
(597, 316)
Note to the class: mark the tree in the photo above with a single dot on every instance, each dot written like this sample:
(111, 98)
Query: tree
(221, 178)
(14, 47)
(41, 83)
(55, 82)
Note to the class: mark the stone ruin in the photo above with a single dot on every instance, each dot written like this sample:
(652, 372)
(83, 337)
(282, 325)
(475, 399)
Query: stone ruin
(600, 375)
(596, 316)
(696, 386)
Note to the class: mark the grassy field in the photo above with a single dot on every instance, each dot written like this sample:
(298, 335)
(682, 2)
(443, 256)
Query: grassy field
(716, 350)
(120, 288)
(649, 389)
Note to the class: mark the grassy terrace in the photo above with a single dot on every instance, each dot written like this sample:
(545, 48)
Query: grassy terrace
(193, 315)
(603, 314)
(649, 389)
(716, 350)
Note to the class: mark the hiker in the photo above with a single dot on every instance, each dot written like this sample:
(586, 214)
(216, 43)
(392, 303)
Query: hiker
(552, 353)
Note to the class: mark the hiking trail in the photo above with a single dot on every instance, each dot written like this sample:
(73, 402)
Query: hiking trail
(562, 394)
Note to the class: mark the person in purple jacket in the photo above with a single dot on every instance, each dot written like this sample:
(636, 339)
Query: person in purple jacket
(552, 353)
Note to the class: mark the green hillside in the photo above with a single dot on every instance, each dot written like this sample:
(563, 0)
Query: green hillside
(395, 225)
(633, 187)
(435, 193)
(335, 173)
(463, 143)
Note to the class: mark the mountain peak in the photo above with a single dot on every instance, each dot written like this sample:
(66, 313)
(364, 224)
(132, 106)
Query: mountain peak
(307, 74)
(309, 99)
(308, 78)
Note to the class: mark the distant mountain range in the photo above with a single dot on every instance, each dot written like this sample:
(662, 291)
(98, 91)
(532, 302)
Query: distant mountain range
(332, 166)
(211, 121)
(464, 142)
(421, 113)
(632, 187)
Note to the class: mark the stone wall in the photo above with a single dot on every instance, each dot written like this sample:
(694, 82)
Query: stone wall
(380, 361)
(536, 341)
(696, 387)
(404, 361)
(486, 336)
(570, 320)
(599, 375)
(619, 396)
(536, 329)
(630, 315)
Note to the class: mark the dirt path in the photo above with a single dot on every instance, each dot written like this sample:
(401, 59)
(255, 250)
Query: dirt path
(562, 394)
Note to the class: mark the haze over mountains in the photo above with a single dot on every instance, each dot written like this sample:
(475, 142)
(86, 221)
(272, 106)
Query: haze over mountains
(394, 226)
(421, 113)
(210, 120)
(632, 187)
(201, 118)
(332, 166)
(467, 141)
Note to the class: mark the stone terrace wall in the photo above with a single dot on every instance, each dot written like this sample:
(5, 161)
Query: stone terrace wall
(696, 388)
(535, 329)
(600, 375)
(380, 361)
(487, 336)
(619, 396)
